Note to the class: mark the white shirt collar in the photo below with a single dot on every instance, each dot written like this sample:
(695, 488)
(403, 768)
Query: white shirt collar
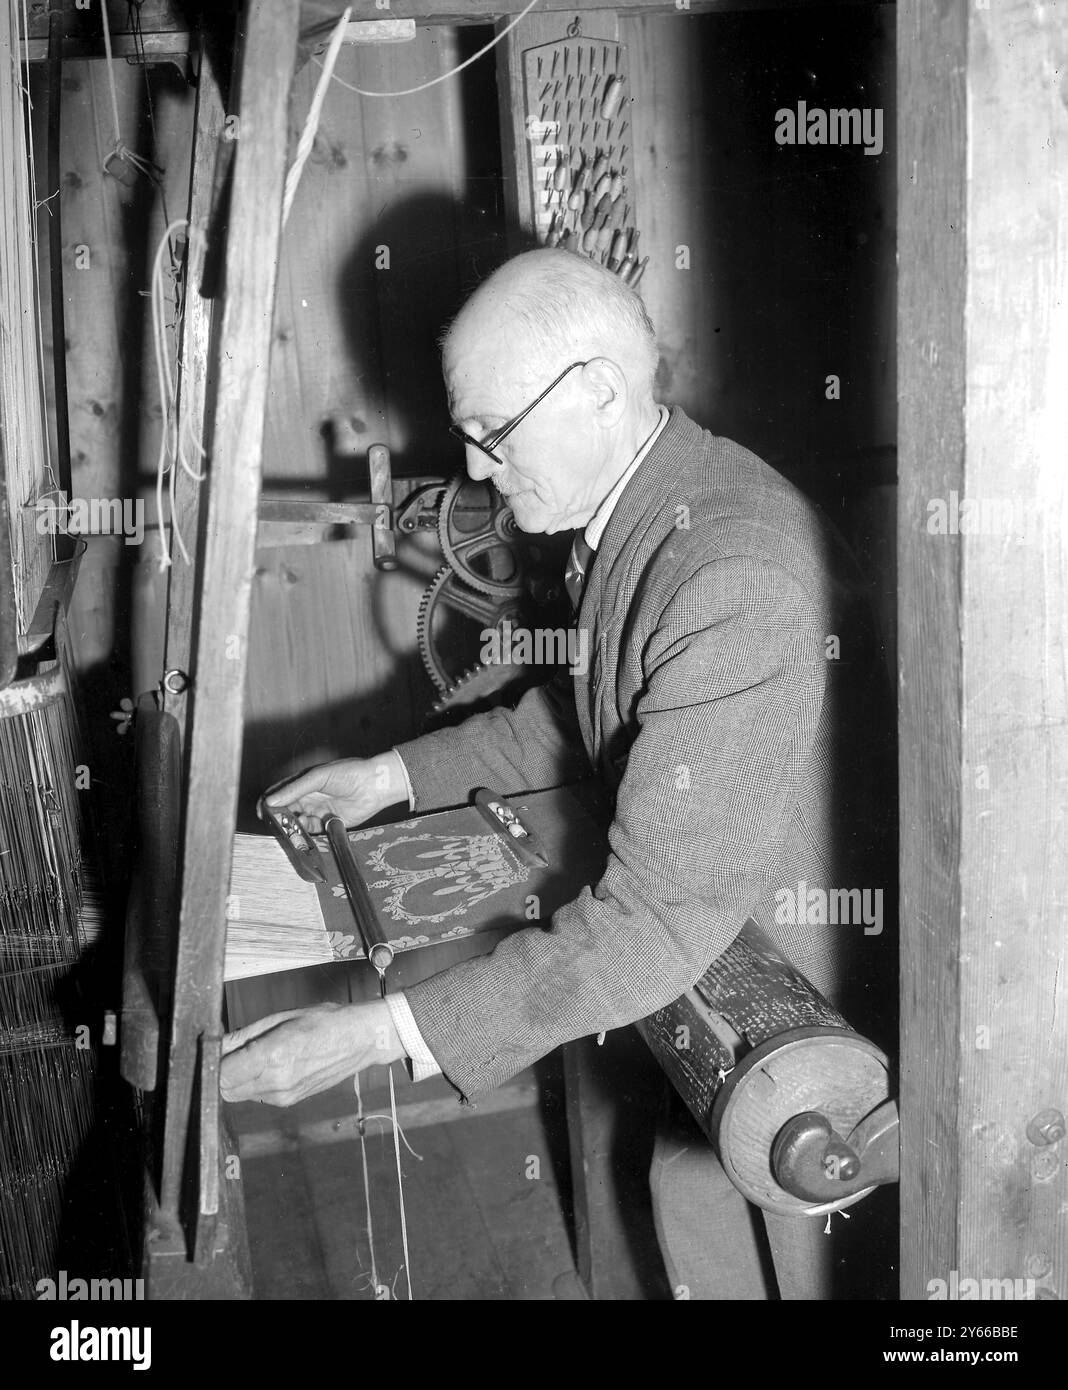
(595, 527)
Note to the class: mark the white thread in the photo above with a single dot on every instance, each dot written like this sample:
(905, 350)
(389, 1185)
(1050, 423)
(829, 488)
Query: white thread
(111, 74)
(410, 91)
(400, 1183)
(389, 1120)
(173, 436)
(311, 125)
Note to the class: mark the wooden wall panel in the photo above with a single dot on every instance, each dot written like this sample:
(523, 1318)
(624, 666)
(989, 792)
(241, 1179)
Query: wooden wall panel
(333, 665)
(113, 397)
(389, 230)
(984, 754)
(791, 248)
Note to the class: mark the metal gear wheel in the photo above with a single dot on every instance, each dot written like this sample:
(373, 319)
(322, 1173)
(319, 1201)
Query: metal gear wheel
(480, 684)
(448, 591)
(478, 535)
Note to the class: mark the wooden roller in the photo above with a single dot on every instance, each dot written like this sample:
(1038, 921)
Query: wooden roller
(795, 1101)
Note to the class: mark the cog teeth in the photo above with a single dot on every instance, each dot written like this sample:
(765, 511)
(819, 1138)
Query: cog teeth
(423, 635)
(472, 674)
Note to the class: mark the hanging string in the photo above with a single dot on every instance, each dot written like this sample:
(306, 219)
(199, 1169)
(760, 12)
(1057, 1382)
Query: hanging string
(390, 1120)
(119, 149)
(400, 1184)
(133, 10)
(423, 86)
(399, 1136)
(361, 1129)
(311, 125)
(173, 440)
(111, 73)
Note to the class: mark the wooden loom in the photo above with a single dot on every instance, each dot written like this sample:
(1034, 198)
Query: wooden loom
(189, 741)
(47, 915)
(949, 59)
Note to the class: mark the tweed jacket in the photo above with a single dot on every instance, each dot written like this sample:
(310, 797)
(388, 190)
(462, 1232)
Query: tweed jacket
(729, 657)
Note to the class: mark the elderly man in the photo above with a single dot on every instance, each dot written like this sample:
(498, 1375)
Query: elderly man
(723, 651)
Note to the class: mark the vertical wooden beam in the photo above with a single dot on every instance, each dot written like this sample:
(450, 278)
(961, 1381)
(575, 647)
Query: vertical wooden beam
(931, 166)
(983, 358)
(241, 376)
(208, 124)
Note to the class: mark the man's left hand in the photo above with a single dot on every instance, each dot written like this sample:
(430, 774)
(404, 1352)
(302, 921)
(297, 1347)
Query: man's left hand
(286, 1057)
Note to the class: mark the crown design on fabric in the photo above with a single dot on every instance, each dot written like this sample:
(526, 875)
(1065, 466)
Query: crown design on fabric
(428, 877)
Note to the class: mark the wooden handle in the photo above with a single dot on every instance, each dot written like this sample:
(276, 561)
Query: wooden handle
(383, 541)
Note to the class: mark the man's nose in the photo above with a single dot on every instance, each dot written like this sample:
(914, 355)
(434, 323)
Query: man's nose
(478, 465)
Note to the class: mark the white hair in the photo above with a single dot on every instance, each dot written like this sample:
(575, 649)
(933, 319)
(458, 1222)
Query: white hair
(570, 308)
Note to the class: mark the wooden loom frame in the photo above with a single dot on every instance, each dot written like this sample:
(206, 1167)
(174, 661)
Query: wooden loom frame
(195, 1245)
(949, 1222)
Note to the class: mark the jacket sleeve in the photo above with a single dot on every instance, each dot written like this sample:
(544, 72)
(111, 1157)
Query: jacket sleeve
(734, 679)
(529, 748)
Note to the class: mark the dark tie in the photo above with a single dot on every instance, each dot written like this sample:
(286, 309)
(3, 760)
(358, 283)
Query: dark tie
(578, 567)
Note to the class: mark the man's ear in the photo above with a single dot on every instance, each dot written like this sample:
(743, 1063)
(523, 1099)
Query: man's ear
(607, 383)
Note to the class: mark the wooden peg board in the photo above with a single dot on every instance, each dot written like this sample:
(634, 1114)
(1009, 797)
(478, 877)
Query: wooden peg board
(580, 150)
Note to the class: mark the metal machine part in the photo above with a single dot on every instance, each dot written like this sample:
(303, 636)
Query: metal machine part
(493, 575)
(478, 535)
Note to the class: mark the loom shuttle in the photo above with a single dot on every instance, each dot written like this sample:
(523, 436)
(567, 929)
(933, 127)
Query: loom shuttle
(507, 823)
(300, 849)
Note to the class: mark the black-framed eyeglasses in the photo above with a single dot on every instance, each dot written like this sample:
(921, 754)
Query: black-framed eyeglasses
(490, 443)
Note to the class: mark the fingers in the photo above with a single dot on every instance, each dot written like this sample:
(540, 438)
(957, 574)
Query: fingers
(287, 1057)
(307, 784)
(240, 1036)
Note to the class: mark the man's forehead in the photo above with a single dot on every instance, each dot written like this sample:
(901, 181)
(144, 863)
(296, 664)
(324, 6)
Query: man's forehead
(484, 373)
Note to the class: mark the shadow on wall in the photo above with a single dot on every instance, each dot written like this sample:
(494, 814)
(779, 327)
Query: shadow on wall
(403, 282)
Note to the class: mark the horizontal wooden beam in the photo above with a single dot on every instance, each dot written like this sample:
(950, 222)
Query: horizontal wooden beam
(166, 30)
(160, 46)
(481, 12)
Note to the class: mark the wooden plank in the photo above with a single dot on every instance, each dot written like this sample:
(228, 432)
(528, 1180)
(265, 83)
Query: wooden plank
(1014, 852)
(241, 377)
(612, 1093)
(273, 1137)
(484, 1219)
(84, 21)
(164, 23)
(931, 164)
(208, 123)
(482, 11)
(983, 617)
(375, 259)
(931, 169)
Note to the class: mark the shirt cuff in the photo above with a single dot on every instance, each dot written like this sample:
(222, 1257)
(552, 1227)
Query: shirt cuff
(411, 807)
(422, 1060)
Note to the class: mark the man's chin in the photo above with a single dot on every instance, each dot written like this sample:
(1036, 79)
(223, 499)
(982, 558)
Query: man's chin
(529, 517)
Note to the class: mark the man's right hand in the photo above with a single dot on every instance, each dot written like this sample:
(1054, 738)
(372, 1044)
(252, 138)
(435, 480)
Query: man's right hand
(354, 789)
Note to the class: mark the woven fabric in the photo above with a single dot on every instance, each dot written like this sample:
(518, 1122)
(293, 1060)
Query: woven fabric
(741, 758)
